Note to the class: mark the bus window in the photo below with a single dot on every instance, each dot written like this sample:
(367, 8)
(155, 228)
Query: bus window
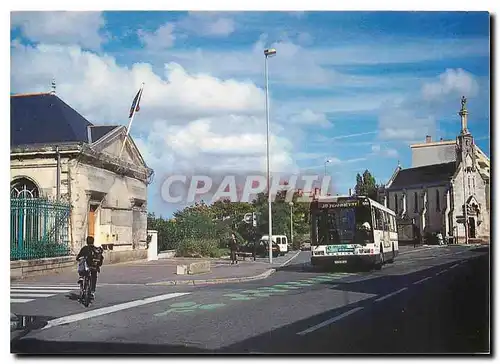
(341, 225)
(385, 217)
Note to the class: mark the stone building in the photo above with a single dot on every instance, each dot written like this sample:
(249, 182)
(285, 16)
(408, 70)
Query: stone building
(445, 176)
(57, 154)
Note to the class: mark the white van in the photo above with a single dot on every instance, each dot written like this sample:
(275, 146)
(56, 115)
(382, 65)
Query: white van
(280, 240)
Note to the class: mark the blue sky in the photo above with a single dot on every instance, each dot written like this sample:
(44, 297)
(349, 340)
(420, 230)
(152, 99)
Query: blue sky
(355, 87)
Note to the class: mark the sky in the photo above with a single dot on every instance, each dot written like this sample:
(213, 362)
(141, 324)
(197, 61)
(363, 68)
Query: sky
(355, 88)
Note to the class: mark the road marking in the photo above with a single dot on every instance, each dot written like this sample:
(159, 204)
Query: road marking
(441, 272)
(31, 295)
(285, 286)
(46, 287)
(453, 266)
(330, 321)
(111, 309)
(40, 290)
(300, 284)
(422, 280)
(289, 260)
(20, 300)
(390, 294)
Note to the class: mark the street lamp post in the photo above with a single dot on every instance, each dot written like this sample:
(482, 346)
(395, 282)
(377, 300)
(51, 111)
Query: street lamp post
(267, 54)
(326, 162)
(291, 223)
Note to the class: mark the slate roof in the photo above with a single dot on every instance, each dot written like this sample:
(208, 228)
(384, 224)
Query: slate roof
(425, 175)
(45, 119)
(98, 131)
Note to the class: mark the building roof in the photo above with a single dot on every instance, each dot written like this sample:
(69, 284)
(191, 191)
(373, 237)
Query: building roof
(45, 119)
(98, 131)
(425, 175)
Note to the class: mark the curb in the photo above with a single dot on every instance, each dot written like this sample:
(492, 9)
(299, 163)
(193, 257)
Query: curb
(196, 282)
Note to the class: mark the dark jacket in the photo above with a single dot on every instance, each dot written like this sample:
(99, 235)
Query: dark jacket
(233, 244)
(93, 256)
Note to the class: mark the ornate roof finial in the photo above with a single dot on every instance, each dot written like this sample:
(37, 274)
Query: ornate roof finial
(53, 84)
(463, 115)
(399, 163)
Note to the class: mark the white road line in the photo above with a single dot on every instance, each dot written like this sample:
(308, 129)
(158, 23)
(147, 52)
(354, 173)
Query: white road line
(422, 280)
(289, 260)
(453, 266)
(390, 294)
(105, 310)
(31, 295)
(45, 287)
(20, 300)
(330, 321)
(39, 290)
(441, 272)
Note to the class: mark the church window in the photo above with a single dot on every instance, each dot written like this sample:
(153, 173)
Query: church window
(396, 203)
(438, 204)
(415, 198)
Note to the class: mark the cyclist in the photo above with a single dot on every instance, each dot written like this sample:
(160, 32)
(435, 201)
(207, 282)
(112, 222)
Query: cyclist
(94, 258)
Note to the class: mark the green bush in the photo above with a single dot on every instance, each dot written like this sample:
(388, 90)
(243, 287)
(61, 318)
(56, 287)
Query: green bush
(197, 247)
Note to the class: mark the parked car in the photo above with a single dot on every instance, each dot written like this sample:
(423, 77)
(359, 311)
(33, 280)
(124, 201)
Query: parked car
(305, 245)
(281, 240)
(262, 248)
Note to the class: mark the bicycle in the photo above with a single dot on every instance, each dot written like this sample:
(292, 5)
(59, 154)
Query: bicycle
(85, 291)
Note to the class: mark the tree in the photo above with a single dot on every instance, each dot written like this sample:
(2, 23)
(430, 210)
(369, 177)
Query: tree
(366, 185)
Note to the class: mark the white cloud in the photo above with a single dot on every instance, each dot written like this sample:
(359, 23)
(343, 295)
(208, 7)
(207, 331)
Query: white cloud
(379, 151)
(161, 38)
(61, 27)
(453, 82)
(308, 117)
(416, 115)
(187, 121)
(208, 24)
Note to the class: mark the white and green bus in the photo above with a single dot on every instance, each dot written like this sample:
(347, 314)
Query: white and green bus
(352, 229)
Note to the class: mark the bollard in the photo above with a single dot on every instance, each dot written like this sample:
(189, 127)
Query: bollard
(153, 245)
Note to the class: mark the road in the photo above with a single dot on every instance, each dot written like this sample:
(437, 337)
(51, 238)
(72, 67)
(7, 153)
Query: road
(434, 300)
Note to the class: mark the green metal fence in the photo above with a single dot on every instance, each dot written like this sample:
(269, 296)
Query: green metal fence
(38, 228)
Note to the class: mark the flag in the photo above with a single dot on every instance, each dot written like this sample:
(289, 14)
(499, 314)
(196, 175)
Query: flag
(135, 104)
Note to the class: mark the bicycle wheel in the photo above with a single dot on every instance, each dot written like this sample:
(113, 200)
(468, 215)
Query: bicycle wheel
(86, 292)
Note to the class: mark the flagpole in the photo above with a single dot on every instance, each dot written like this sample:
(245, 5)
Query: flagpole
(131, 120)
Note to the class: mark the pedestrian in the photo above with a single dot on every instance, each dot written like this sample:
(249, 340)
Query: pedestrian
(233, 245)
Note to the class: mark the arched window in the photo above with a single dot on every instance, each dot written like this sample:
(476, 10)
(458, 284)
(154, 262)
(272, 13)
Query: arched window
(438, 203)
(23, 188)
(396, 203)
(415, 198)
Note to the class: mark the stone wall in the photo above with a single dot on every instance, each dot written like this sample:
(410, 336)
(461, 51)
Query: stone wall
(483, 230)
(436, 153)
(29, 268)
(114, 216)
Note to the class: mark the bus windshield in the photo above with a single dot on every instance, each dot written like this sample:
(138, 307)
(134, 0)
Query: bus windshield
(343, 225)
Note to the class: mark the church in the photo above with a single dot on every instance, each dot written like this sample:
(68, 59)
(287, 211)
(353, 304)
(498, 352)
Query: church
(447, 189)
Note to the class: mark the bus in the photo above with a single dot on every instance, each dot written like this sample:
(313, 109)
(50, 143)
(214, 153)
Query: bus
(349, 230)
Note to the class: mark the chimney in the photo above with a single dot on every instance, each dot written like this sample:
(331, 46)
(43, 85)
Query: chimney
(350, 192)
(428, 139)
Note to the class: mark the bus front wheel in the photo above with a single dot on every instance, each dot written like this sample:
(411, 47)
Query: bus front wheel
(393, 255)
(381, 261)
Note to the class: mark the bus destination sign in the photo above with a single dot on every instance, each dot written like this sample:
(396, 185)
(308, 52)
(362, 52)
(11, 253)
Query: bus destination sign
(333, 205)
(343, 204)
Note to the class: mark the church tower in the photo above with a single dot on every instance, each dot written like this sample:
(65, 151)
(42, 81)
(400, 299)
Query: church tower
(465, 142)
(466, 157)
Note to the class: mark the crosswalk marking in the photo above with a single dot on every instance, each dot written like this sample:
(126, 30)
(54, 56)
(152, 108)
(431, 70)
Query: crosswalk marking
(19, 300)
(29, 293)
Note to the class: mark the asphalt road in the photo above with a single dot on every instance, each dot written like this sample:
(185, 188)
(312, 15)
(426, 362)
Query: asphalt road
(429, 301)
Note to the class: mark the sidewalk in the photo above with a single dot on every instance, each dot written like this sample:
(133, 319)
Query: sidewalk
(163, 272)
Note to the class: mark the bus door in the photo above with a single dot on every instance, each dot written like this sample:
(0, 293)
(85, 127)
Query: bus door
(386, 235)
